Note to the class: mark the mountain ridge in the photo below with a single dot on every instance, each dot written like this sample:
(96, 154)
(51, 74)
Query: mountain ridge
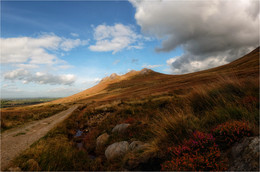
(147, 82)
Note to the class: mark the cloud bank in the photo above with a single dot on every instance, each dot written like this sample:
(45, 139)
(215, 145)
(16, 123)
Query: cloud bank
(211, 33)
(39, 50)
(115, 38)
(39, 77)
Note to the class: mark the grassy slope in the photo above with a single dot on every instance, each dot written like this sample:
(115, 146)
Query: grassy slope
(163, 110)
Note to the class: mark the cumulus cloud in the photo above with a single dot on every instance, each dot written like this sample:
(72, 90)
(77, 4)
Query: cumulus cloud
(39, 77)
(39, 50)
(211, 32)
(115, 38)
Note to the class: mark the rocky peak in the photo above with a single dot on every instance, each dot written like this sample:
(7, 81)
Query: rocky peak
(145, 71)
(113, 76)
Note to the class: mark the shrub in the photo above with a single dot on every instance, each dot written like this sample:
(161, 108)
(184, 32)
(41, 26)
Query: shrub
(228, 133)
(198, 153)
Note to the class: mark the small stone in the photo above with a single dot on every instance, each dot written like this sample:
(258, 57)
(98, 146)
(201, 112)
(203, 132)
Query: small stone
(120, 128)
(102, 140)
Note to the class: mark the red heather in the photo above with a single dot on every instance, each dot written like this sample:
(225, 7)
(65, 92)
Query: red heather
(198, 153)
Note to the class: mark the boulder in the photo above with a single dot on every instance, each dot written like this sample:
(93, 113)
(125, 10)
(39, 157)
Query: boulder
(245, 155)
(116, 150)
(102, 140)
(120, 128)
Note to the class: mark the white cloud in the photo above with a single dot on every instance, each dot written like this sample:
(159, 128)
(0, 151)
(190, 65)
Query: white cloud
(151, 66)
(116, 62)
(96, 80)
(69, 44)
(39, 50)
(65, 66)
(90, 81)
(205, 30)
(74, 34)
(27, 66)
(115, 38)
(39, 77)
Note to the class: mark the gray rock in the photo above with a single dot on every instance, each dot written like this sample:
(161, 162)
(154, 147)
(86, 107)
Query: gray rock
(116, 150)
(120, 128)
(102, 140)
(245, 155)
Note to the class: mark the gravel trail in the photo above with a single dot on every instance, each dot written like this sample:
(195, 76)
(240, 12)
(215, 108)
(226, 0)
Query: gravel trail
(16, 140)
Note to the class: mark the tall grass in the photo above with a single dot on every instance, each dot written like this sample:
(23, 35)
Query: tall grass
(208, 106)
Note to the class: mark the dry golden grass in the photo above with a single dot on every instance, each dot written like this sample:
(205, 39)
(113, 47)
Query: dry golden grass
(13, 117)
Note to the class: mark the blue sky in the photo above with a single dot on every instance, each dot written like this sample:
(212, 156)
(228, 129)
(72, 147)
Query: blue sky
(58, 48)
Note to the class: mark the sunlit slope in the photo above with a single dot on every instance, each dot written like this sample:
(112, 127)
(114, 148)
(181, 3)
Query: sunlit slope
(144, 83)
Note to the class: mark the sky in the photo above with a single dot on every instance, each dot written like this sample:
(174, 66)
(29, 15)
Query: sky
(59, 48)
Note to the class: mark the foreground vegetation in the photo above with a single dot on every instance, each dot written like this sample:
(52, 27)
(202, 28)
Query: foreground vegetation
(13, 117)
(172, 125)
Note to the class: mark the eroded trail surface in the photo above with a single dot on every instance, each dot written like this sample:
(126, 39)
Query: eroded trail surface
(14, 141)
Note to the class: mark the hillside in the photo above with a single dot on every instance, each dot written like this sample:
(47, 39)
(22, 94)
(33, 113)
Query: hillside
(146, 82)
(144, 120)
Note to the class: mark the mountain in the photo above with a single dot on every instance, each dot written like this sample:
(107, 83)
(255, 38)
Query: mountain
(148, 121)
(140, 84)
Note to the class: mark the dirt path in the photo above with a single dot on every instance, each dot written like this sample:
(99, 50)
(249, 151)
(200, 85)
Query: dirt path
(14, 141)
